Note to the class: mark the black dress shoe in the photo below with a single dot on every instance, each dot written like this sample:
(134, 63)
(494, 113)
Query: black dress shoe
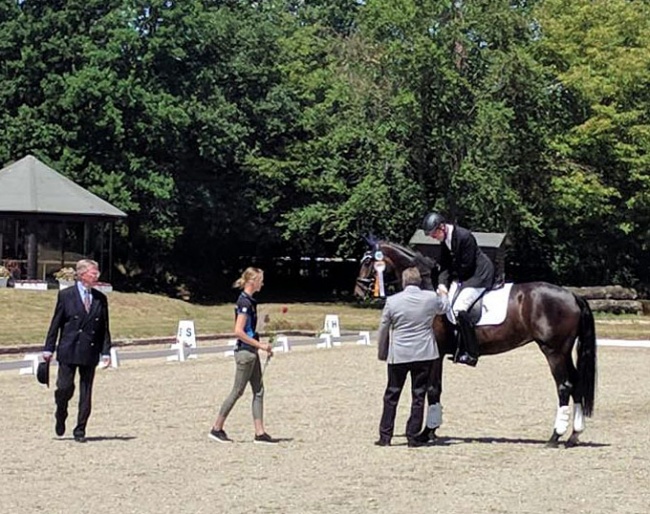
(59, 428)
(422, 437)
(80, 438)
(414, 443)
(466, 358)
(382, 442)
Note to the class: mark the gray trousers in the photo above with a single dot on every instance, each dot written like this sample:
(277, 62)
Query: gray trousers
(248, 370)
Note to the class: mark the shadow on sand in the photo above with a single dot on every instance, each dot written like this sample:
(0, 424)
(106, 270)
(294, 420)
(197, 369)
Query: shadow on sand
(505, 440)
(451, 441)
(100, 438)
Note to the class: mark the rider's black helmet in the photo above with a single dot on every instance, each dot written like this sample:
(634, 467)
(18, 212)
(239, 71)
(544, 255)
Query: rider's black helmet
(432, 221)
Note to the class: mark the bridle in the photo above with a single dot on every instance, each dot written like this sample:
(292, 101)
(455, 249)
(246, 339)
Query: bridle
(367, 283)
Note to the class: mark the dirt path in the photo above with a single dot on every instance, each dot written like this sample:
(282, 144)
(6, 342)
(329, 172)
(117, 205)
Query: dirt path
(149, 453)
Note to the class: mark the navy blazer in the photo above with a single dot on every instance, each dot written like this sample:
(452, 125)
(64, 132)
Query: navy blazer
(465, 262)
(82, 336)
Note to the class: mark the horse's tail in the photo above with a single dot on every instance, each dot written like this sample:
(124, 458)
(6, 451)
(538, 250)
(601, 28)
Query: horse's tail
(586, 356)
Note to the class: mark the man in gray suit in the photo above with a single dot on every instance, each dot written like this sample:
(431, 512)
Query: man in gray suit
(407, 343)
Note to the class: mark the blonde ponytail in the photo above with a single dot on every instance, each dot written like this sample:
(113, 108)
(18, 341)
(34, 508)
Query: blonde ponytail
(248, 275)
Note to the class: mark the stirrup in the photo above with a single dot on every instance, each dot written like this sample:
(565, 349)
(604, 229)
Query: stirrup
(466, 358)
(456, 355)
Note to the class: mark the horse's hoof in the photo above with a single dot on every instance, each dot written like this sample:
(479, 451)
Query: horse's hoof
(572, 442)
(554, 441)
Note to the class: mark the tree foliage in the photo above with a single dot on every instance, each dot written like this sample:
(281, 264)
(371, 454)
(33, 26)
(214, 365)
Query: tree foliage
(240, 130)
(600, 55)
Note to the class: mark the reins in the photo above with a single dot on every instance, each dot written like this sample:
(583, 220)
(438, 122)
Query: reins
(400, 258)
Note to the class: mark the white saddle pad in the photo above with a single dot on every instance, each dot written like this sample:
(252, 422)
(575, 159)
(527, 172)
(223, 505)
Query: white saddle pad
(494, 308)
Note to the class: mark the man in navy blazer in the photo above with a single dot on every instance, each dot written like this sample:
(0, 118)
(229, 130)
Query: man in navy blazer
(80, 324)
(406, 341)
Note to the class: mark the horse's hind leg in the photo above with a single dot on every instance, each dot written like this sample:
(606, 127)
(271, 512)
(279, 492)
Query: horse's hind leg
(560, 371)
(578, 414)
(562, 416)
(573, 440)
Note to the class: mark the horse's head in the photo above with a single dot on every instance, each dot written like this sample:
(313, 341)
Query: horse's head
(396, 259)
(365, 283)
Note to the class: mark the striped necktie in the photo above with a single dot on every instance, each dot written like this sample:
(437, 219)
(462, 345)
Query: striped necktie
(87, 300)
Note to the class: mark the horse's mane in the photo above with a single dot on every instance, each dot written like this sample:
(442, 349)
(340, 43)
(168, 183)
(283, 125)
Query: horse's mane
(424, 264)
(421, 261)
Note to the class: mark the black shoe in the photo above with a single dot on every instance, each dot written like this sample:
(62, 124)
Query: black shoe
(382, 442)
(466, 358)
(264, 439)
(219, 436)
(59, 428)
(80, 438)
(414, 443)
(423, 437)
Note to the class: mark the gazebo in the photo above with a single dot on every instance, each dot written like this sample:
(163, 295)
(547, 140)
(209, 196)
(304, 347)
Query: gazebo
(48, 222)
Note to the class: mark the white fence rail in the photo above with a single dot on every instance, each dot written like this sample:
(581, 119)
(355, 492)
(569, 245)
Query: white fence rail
(181, 352)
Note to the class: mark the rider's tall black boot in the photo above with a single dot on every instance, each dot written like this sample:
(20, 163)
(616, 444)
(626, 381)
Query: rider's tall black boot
(468, 335)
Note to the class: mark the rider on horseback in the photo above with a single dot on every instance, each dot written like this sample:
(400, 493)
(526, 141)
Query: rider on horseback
(464, 264)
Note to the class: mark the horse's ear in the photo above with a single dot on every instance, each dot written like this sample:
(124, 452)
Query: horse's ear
(371, 240)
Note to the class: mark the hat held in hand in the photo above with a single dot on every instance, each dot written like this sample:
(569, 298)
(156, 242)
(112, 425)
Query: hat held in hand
(43, 373)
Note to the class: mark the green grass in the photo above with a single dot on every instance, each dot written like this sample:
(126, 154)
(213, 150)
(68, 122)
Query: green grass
(26, 316)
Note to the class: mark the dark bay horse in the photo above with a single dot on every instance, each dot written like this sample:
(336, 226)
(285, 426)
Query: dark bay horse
(553, 317)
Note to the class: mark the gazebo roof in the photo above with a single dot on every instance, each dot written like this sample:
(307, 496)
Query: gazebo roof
(29, 186)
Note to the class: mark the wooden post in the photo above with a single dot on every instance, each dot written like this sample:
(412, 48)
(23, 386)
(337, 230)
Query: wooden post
(32, 251)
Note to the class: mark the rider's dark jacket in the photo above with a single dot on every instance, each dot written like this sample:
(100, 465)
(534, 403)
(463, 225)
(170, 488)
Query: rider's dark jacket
(465, 262)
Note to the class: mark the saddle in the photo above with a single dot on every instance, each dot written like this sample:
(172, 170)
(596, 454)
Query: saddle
(490, 308)
(476, 310)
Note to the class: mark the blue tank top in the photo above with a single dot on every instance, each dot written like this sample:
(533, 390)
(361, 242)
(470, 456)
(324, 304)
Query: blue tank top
(247, 305)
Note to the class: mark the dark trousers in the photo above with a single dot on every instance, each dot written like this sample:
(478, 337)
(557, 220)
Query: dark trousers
(420, 372)
(65, 390)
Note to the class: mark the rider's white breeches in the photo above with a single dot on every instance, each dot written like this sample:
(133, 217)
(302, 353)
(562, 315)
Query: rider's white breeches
(465, 298)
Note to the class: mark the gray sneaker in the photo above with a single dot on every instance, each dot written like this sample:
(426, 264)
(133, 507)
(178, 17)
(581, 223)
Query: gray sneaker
(219, 436)
(265, 439)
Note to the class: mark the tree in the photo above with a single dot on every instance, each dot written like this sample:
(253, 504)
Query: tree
(600, 54)
(342, 174)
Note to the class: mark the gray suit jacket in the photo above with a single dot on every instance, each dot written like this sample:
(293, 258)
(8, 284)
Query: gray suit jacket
(406, 327)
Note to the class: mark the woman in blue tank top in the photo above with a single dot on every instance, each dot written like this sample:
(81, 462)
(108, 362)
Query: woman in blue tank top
(249, 369)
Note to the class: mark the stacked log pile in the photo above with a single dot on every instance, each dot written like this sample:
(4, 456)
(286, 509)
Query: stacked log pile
(612, 299)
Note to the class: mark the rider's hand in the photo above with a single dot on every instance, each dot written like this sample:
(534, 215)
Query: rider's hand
(442, 289)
